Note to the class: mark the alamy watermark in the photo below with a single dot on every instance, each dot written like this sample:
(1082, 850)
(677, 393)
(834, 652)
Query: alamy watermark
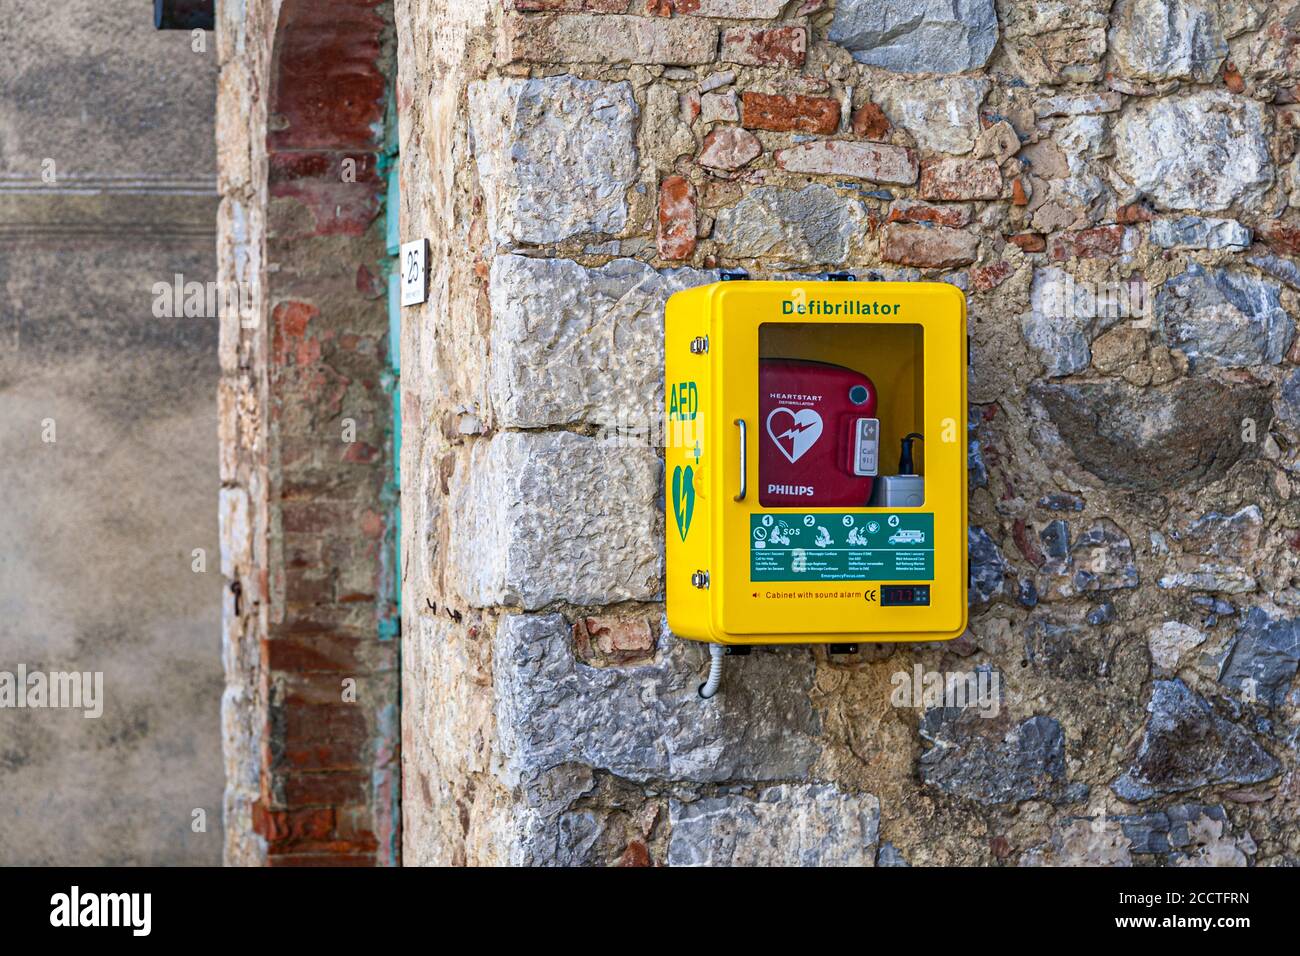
(921, 689)
(133, 911)
(180, 299)
(53, 690)
(1062, 296)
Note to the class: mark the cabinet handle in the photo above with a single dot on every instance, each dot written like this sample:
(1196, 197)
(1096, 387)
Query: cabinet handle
(743, 470)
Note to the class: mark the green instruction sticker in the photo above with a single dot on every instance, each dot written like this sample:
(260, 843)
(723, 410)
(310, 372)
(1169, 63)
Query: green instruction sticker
(844, 546)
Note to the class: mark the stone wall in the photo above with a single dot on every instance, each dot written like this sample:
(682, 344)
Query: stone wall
(1132, 467)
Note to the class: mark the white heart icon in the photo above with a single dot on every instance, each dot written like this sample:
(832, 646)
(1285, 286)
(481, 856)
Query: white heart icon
(801, 432)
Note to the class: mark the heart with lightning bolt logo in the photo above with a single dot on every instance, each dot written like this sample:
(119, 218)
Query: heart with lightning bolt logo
(683, 498)
(794, 430)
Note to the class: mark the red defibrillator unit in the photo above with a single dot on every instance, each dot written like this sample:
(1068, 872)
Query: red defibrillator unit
(819, 443)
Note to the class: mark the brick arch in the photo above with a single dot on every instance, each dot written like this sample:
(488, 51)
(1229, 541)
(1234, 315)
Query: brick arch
(319, 579)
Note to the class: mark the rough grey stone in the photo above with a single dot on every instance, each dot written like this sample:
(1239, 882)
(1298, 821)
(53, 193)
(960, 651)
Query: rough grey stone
(1198, 232)
(1099, 559)
(1055, 538)
(809, 825)
(943, 114)
(1173, 150)
(1278, 267)
(979, 473)
(813, 226)
(555, 155)
(1263, 656)
(1227, 541)
(1187, 745)
(549, 832)
(571, 344)
(1061, 502)
(1103, 613)
(1062, 321)
(1170, 642)
(1027, 762)
(988, 568)
(1048, 43)
(1167, 39)
(556, 516)
(889, 855)
(1062, 649)
(1289, 399)
(917, 36)
(1027, 593)
(1082, 104)
(1165, 831)
(1075, 174)
(1183, 434)
(1225, 316)
(647, 722)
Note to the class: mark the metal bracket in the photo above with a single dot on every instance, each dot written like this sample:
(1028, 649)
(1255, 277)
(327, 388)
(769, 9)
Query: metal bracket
(184, 14)
(700, 579)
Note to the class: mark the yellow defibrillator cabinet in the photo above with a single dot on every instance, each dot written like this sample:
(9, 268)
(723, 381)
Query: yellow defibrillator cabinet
(816, 462)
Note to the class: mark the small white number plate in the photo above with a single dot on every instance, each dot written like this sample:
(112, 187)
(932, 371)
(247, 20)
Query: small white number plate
(414, 263)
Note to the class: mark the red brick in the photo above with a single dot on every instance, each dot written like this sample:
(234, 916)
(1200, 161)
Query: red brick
(313, 723)
(990, 277)
(315, 517)
(307, 653)
(362, 453)
(284, 828)
(289, 338)
(308, 587)
(321, 859)
(779, 46)
(927, 247)
(335, 755)
(910, 210)
(961, 179)
(1088, 243)
(1029, 241)
(326, 789)
(330, 89)
(738, 9)
(677, 218)
(636, 854)
(1133, 213)
(1232, 78)
(570, 6)
(1025, 542)
(794, 113)
(1282, 236)
(321, 166)
(689, 104)
(612, 638)
(326, 619)
(870, 122)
